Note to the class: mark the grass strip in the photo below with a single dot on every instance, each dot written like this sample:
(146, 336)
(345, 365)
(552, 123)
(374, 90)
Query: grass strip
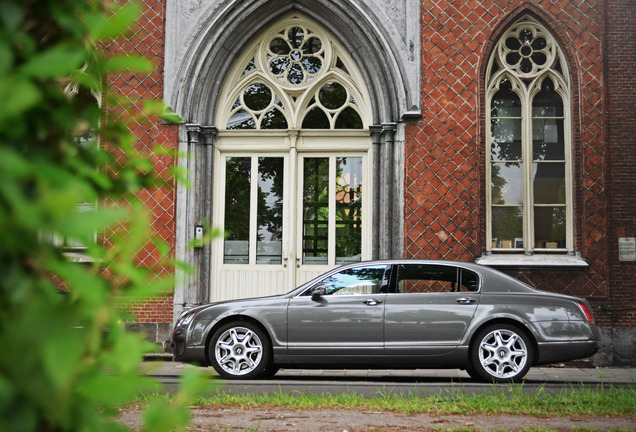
(514, 400)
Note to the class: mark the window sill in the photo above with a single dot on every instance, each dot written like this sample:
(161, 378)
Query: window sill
(79, 257)
(543, 260)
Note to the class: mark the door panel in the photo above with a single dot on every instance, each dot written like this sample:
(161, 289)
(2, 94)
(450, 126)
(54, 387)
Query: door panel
(346, 320)
(252, 257)
(427, 323)
(431, 309)
(336, 326)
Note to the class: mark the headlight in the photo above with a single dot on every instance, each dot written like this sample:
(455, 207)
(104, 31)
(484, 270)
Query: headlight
(186, 318)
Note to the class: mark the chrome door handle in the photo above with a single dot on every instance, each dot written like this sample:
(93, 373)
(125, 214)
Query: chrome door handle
(372, 302)
(465, 300)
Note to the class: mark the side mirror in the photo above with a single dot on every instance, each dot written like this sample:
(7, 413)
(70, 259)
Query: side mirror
(317, 292)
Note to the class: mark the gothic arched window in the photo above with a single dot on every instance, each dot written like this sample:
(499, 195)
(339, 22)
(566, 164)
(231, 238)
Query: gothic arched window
(529, 179)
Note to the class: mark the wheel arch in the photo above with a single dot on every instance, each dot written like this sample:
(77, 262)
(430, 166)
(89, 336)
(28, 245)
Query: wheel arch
(516, 323)
(229, 319)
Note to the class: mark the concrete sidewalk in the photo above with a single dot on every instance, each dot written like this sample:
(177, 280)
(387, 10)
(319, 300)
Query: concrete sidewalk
(161, 366)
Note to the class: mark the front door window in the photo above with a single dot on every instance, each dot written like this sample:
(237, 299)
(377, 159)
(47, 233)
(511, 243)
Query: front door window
(332, 210)
(253, 210)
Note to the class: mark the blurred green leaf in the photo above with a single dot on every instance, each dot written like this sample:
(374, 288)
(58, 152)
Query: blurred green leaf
(162, 416)
(17, 95)
(110, 26)
(59, 61)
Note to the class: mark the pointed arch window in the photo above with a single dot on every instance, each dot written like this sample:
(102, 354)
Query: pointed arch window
(529, 179)
(294, 77)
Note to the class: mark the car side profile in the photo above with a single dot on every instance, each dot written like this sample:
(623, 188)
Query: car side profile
(392, 314)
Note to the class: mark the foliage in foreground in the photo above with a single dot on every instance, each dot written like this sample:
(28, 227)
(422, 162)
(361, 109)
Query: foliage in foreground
(65, 363)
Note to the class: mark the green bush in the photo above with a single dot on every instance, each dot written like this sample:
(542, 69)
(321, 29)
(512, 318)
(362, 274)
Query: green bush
(65, 361)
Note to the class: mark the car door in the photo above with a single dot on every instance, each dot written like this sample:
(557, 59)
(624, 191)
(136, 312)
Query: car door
(344, 321)
(430, 309)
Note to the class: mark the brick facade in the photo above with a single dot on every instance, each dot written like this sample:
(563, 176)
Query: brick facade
(445, 151)
(620, 94)
(147, 40)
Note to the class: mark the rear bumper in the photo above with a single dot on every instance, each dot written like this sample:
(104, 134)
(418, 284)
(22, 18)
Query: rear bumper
(556, 352)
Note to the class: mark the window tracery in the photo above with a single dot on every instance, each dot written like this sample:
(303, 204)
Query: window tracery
(293, 77)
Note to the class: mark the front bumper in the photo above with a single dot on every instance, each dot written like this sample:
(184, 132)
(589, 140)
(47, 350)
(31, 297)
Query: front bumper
(182, 353)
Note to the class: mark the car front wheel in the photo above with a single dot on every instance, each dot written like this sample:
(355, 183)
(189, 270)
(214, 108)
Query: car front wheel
(501, 353)
(239, 350)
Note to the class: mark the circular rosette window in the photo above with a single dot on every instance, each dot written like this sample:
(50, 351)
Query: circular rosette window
(295, 56)
(527, 51)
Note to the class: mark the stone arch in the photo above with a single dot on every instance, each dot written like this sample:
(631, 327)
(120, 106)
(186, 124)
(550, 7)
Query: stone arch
(217, 45)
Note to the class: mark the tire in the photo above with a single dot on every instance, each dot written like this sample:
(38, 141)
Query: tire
(500, 353)
(240, 350)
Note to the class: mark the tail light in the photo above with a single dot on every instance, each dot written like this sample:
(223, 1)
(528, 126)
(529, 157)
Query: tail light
(587, 312)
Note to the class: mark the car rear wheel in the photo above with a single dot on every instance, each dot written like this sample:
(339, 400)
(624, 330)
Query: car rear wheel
(501, 353)
(239, 350)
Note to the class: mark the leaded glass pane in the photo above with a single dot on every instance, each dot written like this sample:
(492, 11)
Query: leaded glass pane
(348, 209)
(507, 227)
(549, 183)
(548, 139)
(237, 210)
(316, 119)
(279, 46)
(269, 218)
(348, 119)
(257, 97)
(296, 36)
(547, 103)
(506, 183)
(296, 74)
(505, 103)
(505, 139)
(241, 119)
(332, 95)
(549, 227)
(274, 119)
(315, 212)
(279, 65)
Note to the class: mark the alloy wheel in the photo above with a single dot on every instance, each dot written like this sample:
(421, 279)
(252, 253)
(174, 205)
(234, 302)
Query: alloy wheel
(238, 351)
(503, 353)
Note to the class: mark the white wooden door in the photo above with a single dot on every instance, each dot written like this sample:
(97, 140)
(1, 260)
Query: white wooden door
(287, 217)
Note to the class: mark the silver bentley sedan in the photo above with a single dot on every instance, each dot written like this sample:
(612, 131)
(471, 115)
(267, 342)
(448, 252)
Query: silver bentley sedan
(392, 314)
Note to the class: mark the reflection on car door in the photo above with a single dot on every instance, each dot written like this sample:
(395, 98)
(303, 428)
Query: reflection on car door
(430, 310)
(347, 320)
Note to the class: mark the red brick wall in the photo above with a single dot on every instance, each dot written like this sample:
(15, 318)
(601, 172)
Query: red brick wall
(147, 39)
(445, 152)
(620, 65)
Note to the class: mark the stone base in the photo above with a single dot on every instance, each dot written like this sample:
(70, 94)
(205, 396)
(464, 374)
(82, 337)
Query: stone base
(618, 347)
(153, 332)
